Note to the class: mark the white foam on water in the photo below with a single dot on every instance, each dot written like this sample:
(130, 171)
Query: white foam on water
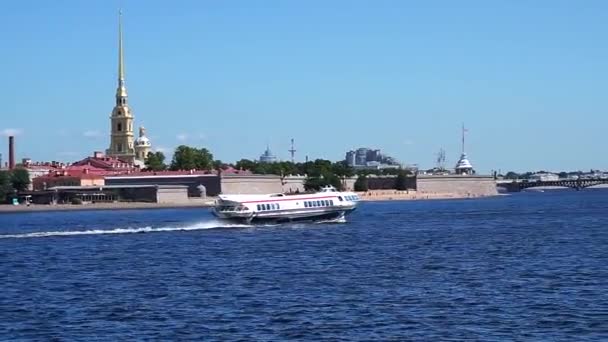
(148, 229)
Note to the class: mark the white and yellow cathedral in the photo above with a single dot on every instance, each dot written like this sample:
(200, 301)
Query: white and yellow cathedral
(123, 144)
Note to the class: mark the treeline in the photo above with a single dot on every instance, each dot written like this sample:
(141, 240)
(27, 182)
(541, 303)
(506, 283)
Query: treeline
(184, 158)
(319, 172)
(13, 181)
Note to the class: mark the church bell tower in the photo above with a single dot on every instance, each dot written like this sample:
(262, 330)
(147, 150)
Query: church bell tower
(121, 120)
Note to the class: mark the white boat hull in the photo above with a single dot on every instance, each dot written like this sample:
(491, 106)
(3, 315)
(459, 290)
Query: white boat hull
(284, 216)
(326, 205)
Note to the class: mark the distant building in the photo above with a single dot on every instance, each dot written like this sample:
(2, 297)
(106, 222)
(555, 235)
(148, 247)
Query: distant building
(366, 158)
(38, 169)
(268, 157)
(107, 163)
(143, 146)
(122, 141)
(464, 166)
(544, 177)
(68, 178)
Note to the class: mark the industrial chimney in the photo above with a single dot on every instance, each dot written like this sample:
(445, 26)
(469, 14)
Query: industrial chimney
(11, 152)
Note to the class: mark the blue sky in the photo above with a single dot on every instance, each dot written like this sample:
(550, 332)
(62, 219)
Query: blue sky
(528, 78)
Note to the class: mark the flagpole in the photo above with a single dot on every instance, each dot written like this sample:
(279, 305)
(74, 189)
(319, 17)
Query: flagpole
(463, 138)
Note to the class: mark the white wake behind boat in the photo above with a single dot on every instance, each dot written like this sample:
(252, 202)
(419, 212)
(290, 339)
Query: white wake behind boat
(327, 204)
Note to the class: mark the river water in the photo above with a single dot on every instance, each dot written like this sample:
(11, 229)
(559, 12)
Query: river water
(522, 267)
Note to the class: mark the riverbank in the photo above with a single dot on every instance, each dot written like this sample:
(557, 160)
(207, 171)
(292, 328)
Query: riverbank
(374, 195)
(409, 195)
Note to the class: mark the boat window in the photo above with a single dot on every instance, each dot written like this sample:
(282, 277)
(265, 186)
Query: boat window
(325, 203)
(318, 204)
(305, 204)
(267, 206)
(340, 198)
(331, 202)
(259, 207)
(278, 206)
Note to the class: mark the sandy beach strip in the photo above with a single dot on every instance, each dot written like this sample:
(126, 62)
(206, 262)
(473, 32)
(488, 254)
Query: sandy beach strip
(396, 195)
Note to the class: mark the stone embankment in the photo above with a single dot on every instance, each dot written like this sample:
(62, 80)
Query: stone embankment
(395, 195)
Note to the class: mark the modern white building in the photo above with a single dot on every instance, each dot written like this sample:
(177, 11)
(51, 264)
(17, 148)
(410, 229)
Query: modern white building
(544, 177)
(464, 166)
(267, 156)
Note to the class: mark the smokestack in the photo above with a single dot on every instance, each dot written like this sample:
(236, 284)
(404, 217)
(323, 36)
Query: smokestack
(11, 152)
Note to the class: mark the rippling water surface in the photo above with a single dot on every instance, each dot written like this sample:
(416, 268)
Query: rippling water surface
(524, 267)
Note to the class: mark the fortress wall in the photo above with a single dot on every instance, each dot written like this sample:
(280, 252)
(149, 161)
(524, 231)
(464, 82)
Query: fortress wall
(293, 183)
(251, 184)
(464, 185)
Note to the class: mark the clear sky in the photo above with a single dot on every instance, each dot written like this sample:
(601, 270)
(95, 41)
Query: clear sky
(528, 78)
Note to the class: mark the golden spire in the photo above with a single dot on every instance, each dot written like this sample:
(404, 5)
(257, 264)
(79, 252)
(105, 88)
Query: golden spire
(122, 90)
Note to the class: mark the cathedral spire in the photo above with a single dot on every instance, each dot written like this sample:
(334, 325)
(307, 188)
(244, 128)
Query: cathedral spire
(121, 91)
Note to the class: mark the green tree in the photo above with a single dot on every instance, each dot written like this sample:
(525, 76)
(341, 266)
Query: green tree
(5, 185)
(563, 174)
(246, 164)
(190, 158)
(391, 171)
(361, 184)
(156, 161)
(317, 182)
(20, 179)
(402, 179)
(511, 175)
(342, 170)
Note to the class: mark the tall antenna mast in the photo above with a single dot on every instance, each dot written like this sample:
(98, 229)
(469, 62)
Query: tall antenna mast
(292, 150)
(463, 131)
